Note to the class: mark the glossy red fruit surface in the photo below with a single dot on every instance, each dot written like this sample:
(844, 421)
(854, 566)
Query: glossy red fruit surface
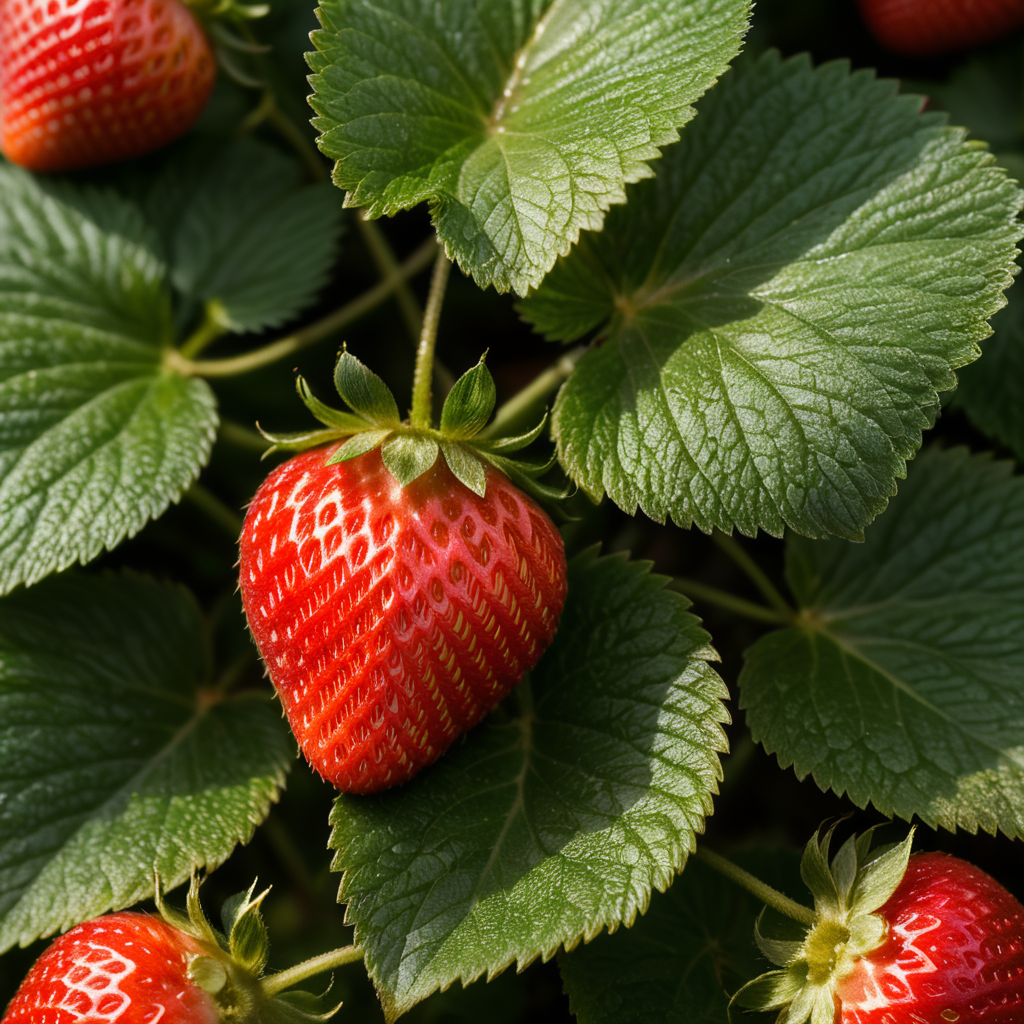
(394, 619)
(123, 968)
(87, 82)
(923, 28)
(954, 954)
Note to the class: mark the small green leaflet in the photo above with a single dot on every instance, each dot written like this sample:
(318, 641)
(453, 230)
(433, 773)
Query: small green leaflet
(116, 755)
(781, 305)
(991, 390)
(96, 437)
(543, 828)
(677, 963)
(242, 227)
(902, 682)
(519, 121)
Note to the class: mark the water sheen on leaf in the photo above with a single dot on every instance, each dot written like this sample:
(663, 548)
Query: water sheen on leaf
(115, 758)
(544, 828)
(95, 437)
(902, 683)
(520, 121)
(781, 306)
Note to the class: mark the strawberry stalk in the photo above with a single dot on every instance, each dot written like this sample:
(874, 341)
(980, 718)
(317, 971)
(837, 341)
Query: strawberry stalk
(277, 983)
(765, 893)
(421, 413)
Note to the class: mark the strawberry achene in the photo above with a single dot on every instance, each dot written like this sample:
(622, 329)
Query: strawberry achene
(393, 619)
(123, 968)
(87, 82)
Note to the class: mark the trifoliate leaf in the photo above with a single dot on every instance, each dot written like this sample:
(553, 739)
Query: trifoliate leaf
(782, 305)
(96, 437)
(519, 121)
(469, 404)
(242, 227)
(902, 681)
(546, 827)
(118, 755)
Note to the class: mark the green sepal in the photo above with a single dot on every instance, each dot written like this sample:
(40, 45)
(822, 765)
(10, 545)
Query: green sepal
(468, 469)
(469, 404)
(500, 445)
(779, 951)
(358, 444)
(408, 456)
(207, 973)
(770, 991)
(299, 441)
(248, 942)
(364, 392)
(814, 870)
(298, 1007)
(346, 421)
(879, 877)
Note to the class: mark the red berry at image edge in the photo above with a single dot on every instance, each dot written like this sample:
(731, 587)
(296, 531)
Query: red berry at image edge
(953, 954)
(924, 28)
(393, 619)
(88, 82)
(123, 968)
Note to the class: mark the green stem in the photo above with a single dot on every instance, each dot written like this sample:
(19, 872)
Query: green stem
(523, 409)
(276, 983)
(307, 336)
(242, 437)
(387, 267)
(209, 503)
(723, 599)
(420, 415)
(755, 574)
(765, 893)
(293, 135)
(212, 327)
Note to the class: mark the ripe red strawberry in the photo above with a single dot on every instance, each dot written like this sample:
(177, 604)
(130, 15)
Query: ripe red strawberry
(87, 82)
(392, 619)
(124, 968)
(922, 28)
(895, 939)
(954, 951)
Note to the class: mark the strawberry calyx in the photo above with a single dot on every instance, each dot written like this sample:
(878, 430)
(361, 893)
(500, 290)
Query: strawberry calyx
(848, 891)
(373, 421)
(233, 962)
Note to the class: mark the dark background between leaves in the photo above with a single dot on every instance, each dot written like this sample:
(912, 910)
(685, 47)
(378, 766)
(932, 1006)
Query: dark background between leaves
(759, 802)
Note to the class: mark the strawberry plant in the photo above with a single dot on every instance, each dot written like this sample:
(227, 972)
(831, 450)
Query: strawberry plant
(668, 506)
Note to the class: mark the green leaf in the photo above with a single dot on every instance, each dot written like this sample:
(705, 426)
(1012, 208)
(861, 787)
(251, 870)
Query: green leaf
(96, 438)
(242, 227)
(782, 305)
(677, 963)
(991, 390)
(364, 392)
(116, 755)
(469, 404)
(409, 456)
(902, 683)
(520, 121)
(547, 827)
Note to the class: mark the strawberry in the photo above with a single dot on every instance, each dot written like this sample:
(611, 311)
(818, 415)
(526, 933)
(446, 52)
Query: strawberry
(396, 606)
(87, 82)
(923, 28)
(897, 939)
(954, 951)
(125, 967)
(131, 968)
